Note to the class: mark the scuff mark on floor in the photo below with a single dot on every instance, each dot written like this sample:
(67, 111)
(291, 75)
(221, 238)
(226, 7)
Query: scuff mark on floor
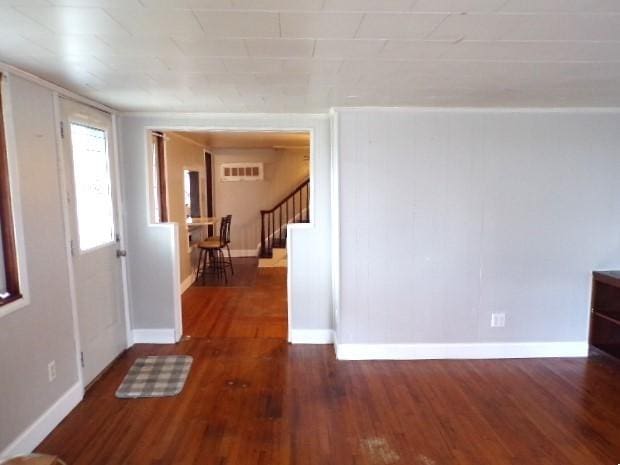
(424, 460)
(379, 451)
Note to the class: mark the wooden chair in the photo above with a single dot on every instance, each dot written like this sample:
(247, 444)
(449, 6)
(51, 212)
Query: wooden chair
(212, 249)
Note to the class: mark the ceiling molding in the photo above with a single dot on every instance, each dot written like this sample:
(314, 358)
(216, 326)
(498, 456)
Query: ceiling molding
(291, 147)
(189, 140)
(414, 109)
(227, 116)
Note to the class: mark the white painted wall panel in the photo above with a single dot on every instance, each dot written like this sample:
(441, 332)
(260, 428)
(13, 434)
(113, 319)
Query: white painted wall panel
(152, 248)
(42, 331)
(448, 216)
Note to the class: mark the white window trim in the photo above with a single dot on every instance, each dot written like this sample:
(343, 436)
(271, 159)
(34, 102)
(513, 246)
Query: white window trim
(11, 153)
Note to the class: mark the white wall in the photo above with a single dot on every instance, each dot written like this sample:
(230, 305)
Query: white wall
(152, 256)
(42, 331)
(448, 216)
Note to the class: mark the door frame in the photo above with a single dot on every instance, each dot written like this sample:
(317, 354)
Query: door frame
(121, 227)
(176, 285)
(209, 188)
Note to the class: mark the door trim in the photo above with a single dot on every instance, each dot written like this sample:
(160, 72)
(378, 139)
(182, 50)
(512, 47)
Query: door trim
(122, 231)
(62, 181)
(63, 184)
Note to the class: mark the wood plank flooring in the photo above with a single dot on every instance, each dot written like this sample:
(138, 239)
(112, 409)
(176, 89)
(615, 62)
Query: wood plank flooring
(258, 310)
(259, 401)
(245, 275)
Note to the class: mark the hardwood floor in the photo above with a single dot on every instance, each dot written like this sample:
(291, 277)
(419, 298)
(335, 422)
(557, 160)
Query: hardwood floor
(253, 400)
(252, 305)
(245, 275)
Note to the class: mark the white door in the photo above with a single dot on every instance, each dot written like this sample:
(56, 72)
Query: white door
(89, 167)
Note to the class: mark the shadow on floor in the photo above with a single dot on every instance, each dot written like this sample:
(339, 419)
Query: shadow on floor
(245, 275)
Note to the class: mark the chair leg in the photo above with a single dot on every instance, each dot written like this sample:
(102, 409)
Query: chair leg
(223, 264)
(201, 251)
(212, 261)
(232, 270)
(204, 265)
(216, 264)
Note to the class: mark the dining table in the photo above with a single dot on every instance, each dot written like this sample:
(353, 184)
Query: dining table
(199, 228)
(201, 221)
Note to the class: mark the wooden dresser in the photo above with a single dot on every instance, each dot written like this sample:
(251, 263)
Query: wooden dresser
(605, 312)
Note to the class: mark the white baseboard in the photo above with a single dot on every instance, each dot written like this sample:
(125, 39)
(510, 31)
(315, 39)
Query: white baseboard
(243, 253)
(461, 351)
(312, 336)
(187, 282)
(154, 336)
(32, 436)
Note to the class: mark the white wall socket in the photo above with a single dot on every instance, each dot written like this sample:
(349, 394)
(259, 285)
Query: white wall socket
(498, 320)
(51, 370)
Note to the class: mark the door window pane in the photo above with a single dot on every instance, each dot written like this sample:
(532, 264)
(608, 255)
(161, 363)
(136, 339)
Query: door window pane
(93, 189)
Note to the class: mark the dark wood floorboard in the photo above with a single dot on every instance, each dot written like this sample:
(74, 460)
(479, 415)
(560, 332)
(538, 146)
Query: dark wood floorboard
(255, 311)
(259, 401)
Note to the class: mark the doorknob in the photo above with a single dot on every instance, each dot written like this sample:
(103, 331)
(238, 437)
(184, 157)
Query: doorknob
(121, 253)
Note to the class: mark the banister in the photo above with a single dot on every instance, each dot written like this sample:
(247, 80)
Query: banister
(272, 231)
(288, 197)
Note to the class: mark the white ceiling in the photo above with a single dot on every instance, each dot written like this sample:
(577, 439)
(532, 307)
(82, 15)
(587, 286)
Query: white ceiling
(249, 140)
(309, 55)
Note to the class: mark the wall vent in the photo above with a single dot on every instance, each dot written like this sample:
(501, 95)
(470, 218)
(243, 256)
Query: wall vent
(241, 172)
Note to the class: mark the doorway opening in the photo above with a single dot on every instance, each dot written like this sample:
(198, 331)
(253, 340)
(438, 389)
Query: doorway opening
(233, 195)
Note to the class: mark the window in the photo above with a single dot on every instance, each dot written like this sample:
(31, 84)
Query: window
(9, 272)
(93, 187)
(242, 171)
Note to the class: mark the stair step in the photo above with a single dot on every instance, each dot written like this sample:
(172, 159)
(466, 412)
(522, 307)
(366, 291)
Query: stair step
(279, 260)
(279, 243)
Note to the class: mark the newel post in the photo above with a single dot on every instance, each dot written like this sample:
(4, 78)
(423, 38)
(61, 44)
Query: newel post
(262, 232)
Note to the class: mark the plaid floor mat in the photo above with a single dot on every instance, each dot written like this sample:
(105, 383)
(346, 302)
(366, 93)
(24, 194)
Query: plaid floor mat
(155, 376)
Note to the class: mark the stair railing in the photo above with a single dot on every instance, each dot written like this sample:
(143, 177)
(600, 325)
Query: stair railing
(294, 208)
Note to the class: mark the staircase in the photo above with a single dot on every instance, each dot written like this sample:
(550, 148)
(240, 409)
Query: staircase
(292, 209)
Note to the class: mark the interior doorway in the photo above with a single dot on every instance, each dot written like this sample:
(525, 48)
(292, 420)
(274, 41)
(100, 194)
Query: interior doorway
(233, 195)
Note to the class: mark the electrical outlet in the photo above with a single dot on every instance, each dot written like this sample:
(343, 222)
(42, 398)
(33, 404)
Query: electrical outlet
(51, 370)
(498, 320)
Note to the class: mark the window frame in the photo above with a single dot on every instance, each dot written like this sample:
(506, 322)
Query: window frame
(159, 160)
(10, 220)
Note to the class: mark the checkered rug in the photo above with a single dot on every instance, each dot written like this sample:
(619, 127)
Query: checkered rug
(155, 376)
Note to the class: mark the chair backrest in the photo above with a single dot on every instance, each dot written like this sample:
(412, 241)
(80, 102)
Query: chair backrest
(228, 223)
(223, 229)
